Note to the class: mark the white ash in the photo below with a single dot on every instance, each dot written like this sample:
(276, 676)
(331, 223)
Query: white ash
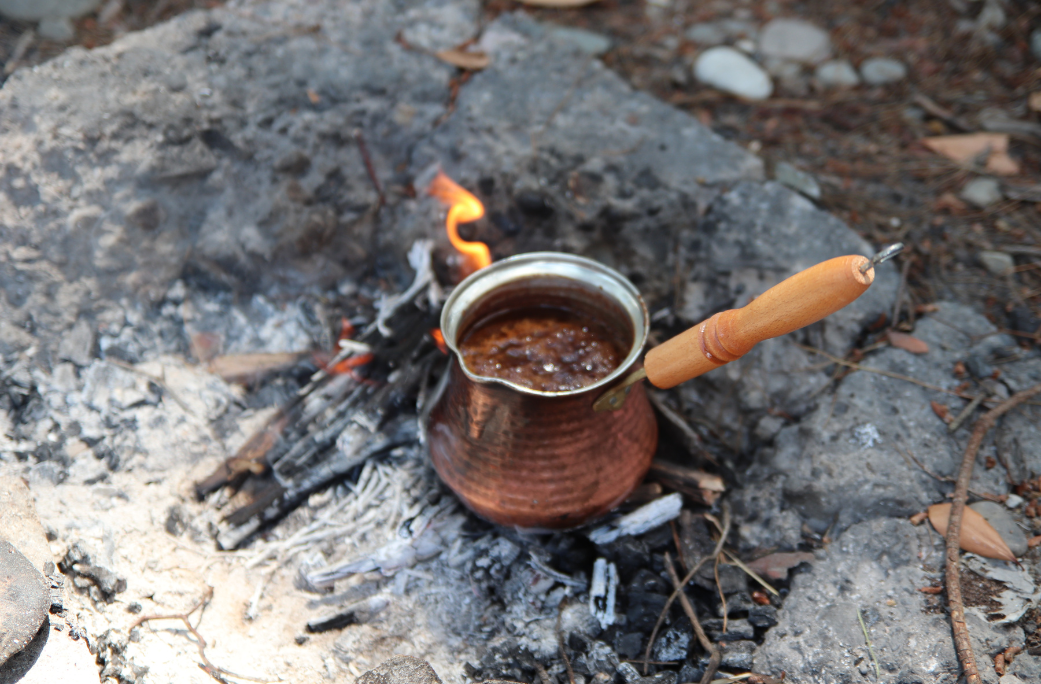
(644, 518)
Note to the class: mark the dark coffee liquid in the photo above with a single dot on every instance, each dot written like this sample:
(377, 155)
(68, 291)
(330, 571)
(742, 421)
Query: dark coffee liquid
(544, 348)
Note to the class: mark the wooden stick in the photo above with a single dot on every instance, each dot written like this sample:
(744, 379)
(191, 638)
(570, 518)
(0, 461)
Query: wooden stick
(962, 644)
(686, 579)
(714, 655)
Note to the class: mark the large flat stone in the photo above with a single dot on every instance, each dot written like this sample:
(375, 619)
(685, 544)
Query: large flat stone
(24, 601)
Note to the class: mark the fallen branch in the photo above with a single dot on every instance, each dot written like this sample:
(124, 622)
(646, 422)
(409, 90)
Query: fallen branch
(962, 644)
(206, 666)
(725, 530)
(714, 654)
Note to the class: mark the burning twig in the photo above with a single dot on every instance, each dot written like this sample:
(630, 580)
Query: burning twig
(686, 579)
(419, 258)
(206, 666)
(962, 644)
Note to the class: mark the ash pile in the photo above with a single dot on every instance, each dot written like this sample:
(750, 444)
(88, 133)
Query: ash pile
(189, 216)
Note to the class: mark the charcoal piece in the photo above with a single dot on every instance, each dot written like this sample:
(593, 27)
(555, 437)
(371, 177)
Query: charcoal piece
(731, 578)
(740, 602)
(674, 644)
(629, 645)
(629, 554)
(690, 672)
(1022, 319)
(643, 609)
(737, 654)
(659, 538)
(177, 520)
(646, 581)
(736, 630)
(762, 616)
(401, 670)
(978, 367)
(83, 565)
(598, 658)
(24, 600)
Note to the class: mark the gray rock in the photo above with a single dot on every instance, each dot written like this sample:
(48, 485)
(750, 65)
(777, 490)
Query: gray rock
(1027, 667)
(35, 10)
(768, 427)
(997, 263)
(401, 670)
(982, 192)
(77, 345)
(800, 181)
(882, 70)
(837, 73)
(588, 42)
(25, 599)
(20, 525)
(54, 655)
(59, 29)
(733, 72)
(794, 40)
(1035, 43)
(762, 616)
(1002, 521)
(874, 567)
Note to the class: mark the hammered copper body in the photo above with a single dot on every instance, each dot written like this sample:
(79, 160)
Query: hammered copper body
(531, 459)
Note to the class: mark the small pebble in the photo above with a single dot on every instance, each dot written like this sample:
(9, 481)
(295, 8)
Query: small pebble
(786, 174)
(981, 192)
(998, 263)
(837, 73)
(587, 42)
(1014, 501)
(882, 70)
(733, 72)
(1000, 520)
(794, 40)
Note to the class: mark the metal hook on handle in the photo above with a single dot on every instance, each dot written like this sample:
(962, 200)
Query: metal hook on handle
(884, 255)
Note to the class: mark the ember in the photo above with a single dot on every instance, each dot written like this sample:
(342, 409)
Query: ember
(463, 208)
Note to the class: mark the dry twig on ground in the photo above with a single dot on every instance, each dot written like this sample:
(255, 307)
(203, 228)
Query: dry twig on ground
(208, 667)
(724, 531)
(962, 644)
(714, 654)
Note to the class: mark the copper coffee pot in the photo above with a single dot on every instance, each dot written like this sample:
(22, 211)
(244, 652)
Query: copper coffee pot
(554, 460)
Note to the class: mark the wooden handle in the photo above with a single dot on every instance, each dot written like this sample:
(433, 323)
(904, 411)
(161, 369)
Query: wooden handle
(803, 299)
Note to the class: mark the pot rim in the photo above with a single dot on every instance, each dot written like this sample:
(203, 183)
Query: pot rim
(581, 269)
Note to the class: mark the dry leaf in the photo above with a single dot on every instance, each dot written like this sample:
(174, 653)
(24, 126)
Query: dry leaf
(930, 590)
(246, 368)
(907, 342)
(1034, 101)
(557, 3)
(776, 565)
(918, 518)
(977, 535)
(1034, 541)
(473, 61)
(313, 96)
(941, 411)
(964, 148)
(951, 203)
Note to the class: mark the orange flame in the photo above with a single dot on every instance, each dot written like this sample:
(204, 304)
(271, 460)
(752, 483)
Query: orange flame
(439, 340)
(463, 208)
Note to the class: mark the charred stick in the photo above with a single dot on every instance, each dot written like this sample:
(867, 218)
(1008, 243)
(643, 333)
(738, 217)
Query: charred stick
(369, 167)
(962, 644)
(714, 655)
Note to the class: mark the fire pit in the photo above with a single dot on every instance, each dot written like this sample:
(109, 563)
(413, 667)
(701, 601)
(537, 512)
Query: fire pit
(189, 224)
